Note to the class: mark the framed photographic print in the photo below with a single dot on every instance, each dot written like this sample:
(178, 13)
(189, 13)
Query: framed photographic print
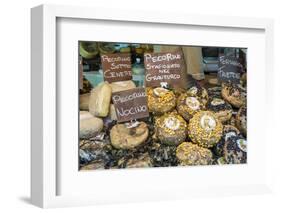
(130, 106)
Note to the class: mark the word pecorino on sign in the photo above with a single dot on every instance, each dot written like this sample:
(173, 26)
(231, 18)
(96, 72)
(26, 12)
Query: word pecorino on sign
(164, 69)
(130, 104)
(116, 67)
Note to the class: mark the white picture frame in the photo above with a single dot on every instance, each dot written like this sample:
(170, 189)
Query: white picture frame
(45, 83)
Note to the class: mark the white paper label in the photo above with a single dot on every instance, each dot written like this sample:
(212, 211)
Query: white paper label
(217, 101)
(192, 103)
(193, 90)
(172, 123)
(208, 123)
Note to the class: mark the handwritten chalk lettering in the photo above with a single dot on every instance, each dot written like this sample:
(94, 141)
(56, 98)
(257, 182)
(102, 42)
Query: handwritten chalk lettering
(124, 98)
(229, 74)
(115, 58)
(130, 104)
(164, 67)
(228, 61)
(120, 66)
(108, 74)
(131, 111)
(229, 69)
(161, 78)
(164, 57)
(116, 67)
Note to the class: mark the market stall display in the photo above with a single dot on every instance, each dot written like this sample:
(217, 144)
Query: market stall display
(124, 124)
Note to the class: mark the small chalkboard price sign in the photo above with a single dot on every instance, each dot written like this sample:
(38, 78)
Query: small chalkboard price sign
(130, 104)
(229, 69)
(164, 69)
(116, 67)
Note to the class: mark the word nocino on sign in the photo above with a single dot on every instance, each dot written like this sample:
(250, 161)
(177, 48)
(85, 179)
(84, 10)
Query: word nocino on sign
(130, 104)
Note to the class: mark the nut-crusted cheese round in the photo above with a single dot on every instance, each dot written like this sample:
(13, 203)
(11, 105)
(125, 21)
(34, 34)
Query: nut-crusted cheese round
(235, 150)
(234, 94)
(222, 109)
(190, 154)
(160, 100)
(171, 128)
(199, 92)
(187, 106)
(228, 132)
(205, 129)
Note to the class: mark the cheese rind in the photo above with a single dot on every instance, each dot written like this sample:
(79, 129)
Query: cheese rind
(99, 101)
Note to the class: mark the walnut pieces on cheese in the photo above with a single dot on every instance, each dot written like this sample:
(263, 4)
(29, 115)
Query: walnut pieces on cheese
(170, 128)
(187, 106)
(234, 94)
